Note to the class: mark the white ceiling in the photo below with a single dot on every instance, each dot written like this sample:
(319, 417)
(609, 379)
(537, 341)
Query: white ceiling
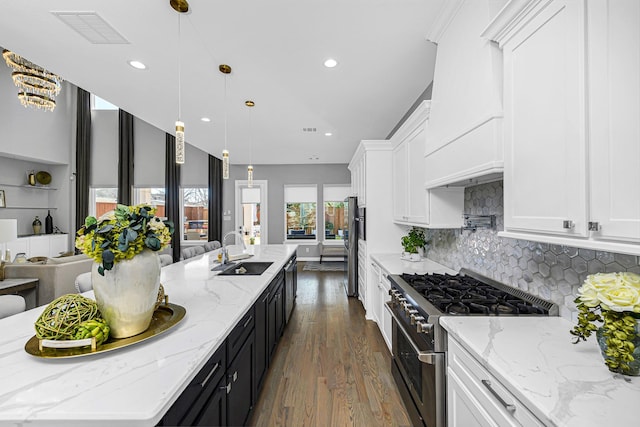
(276, 49)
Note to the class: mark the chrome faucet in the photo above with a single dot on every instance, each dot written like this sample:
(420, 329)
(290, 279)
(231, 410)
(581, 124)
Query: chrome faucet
(224, 251)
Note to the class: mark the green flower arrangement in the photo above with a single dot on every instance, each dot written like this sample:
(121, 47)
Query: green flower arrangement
(122, 234)
(414, 240)
(613, 301)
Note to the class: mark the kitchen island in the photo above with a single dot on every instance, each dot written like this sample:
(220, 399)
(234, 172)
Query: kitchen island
(136, 385)
(561, 383)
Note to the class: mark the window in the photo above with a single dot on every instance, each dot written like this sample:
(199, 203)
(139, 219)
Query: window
(335, 211)
(195, 213)
(154, 196)
(102, 200)
(250, 205)
(98, 103)
(300, 211)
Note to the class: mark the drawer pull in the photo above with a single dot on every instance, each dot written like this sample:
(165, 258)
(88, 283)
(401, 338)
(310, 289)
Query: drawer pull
(508, 406)
(213, 370)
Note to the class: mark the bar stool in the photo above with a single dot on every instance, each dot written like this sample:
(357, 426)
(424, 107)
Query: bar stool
(11, 304)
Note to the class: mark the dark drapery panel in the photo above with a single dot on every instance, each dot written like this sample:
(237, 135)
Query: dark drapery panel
(215, 198)
(83, 155)
(172, 196)
(125, 157)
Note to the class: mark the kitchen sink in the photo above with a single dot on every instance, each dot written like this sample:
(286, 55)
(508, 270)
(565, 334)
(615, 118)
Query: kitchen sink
(246, 269)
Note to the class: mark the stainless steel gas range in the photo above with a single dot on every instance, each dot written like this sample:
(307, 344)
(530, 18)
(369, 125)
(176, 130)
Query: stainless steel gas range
(420, 343)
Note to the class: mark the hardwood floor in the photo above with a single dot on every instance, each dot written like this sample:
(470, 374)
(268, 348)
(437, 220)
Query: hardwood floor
(332, 367)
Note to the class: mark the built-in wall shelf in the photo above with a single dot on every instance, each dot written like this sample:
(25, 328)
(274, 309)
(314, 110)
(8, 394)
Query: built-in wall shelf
(31, 187)
(30, 207)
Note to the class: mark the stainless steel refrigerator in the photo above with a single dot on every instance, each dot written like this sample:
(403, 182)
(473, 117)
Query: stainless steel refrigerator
(351, 246)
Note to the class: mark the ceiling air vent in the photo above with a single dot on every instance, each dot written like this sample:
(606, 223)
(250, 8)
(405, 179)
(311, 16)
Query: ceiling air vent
(92, 27)
(311, 130)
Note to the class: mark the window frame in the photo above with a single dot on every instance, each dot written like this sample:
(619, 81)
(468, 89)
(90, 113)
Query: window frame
(305, 241)
(92, 211)
(325, 187)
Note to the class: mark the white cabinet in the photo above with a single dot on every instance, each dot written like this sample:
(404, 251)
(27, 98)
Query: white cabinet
(48, 245)
(477, 398)
(545, 122)
(571, 122)
(412, 203)
(380, 296)
(370, 167)
(363, 291)
(614, 118)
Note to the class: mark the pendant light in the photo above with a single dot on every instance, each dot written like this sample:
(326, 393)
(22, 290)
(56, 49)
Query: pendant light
(250, 167)
(225, 69)
(180, 6)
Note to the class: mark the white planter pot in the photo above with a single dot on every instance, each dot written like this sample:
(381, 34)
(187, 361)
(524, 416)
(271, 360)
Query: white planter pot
(126, 294)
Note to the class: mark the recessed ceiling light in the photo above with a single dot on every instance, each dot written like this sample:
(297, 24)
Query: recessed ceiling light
(330, 63)
(137, 65)
(328, 134)
(205, 119)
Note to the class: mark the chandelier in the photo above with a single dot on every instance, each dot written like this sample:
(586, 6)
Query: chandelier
(37, 86)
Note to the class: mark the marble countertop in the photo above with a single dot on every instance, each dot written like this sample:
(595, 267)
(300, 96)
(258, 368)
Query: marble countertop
(136, 385)
(563, 384)
(393, 264)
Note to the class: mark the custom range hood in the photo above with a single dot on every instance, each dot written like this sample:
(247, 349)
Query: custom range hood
(464, 136)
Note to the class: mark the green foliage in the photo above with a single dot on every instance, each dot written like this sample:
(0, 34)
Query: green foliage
(121, 234)
(414, 240)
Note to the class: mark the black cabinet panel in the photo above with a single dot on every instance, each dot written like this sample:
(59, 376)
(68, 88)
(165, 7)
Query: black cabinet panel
(240, 376)
(215, 411)
(187, 408)
(239, 334)
(262, 325)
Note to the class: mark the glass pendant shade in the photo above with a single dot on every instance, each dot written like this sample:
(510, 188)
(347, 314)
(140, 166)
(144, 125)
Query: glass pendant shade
(250, 176)
(179, 142)
(225, 164)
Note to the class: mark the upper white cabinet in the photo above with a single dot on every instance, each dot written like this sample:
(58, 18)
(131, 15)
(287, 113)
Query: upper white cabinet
(412, 203)
(614, 119)
(464, 137)
(571, 121)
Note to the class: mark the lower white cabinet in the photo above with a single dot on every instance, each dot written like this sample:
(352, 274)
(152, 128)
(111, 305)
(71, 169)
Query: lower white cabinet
(363, 292)
(49, 245)
(379, 290)
(477, 398)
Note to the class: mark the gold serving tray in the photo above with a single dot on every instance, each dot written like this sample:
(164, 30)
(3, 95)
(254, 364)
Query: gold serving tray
(164, 318)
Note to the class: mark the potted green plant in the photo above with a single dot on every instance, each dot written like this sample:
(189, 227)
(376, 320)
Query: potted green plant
(412, 243)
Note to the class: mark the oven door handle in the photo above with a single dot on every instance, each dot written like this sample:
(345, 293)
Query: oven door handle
(428, 357)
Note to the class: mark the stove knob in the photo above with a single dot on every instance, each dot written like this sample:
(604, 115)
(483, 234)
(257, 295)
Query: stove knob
(416, 318)
(423, 327)
(411, 312)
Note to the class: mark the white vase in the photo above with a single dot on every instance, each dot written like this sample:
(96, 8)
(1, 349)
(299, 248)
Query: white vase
(126, 294)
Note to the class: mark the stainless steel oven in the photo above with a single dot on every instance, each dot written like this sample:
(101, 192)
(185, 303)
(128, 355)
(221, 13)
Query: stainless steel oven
(422, 372)
(419, 342)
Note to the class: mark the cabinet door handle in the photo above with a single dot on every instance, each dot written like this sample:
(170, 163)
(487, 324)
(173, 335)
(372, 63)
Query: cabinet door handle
(594, 226)
(567, 224)
(235, 376)
(508, 406)
(227, 387)
(208, 377)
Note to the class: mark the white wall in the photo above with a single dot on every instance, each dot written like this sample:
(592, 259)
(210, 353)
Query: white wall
(278, 176)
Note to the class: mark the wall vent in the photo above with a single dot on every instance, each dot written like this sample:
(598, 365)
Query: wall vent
(92, 27)
(309, 130)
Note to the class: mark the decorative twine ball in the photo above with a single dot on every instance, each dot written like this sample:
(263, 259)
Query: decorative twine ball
(160, 299)
(61, 318)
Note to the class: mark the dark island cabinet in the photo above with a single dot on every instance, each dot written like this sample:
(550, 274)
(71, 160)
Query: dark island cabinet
(262, 355)
(198, 400)
(226, 389)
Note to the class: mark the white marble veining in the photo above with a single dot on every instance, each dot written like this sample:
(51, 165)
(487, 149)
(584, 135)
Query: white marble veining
(563, 384)
(393, 264)
(136, 385)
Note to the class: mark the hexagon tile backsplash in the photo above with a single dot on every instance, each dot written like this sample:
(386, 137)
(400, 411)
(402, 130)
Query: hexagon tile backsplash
(553, 272)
